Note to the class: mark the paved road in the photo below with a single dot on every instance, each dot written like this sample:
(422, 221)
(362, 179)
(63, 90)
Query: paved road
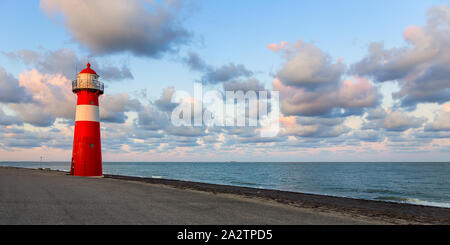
(47, 197)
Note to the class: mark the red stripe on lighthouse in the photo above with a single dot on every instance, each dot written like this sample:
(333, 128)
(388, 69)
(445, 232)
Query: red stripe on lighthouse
(87, 153)
(86, 97)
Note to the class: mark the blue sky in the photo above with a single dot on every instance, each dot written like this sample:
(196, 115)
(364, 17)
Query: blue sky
(237, 32)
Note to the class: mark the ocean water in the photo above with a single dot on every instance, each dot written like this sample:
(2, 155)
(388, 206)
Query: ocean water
(416, 183)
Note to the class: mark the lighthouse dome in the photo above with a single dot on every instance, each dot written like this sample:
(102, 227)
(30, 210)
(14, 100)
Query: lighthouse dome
(87, 79)
(88, 70)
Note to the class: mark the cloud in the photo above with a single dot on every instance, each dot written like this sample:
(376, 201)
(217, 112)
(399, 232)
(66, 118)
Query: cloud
(258, 139)
(392, 120)
(277, 47)
(313, 127)
(10, 89)
(320, 104)
(194, 62)
(113, 73)
(19, 138)
(311, 84)
(421, 68)
(151, 119)
(251, 84)
(181, 141)
(185, 131)
(113, 107)
(225, 73)
(164, 103)
(34, 114)
(350, 97)
(6, 120)
(400, 121)
(441, 121)
(214, 75)
(67, 63)
(144, 28)
(309, 67)
(376, 113)
(52, 98)
(370, 135)
(52, 91)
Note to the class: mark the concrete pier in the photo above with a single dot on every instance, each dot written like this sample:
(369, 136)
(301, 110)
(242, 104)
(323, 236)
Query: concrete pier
(51, 197)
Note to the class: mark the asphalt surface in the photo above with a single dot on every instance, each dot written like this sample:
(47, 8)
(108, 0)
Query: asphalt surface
(49, 197)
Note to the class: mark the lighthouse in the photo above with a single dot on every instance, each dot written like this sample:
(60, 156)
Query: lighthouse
(87, 150)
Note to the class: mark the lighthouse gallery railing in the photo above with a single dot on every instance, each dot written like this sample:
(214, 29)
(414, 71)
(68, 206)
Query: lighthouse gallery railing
(81, 84)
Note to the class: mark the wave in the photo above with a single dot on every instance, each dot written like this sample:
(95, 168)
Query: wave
(383, 191)
(415, 201)
(392, 198)
(243, 183)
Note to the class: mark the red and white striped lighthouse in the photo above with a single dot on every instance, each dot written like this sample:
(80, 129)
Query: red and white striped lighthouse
(87, 150)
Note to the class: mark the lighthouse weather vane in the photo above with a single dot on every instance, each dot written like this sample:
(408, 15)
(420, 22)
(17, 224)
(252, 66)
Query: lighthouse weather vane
(87, 151)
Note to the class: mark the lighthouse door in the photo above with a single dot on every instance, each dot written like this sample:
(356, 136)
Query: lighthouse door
(72, 167)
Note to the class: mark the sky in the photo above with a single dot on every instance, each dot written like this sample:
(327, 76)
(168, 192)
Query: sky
(357, 80)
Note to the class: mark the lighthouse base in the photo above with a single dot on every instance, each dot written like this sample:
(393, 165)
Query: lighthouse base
(87, 156)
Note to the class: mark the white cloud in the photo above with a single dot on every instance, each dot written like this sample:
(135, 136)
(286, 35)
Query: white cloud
(348, 98)
(10, 89)
(441, 121)
(309, 67)
(65, 62)
(421, 68)
(144, 28)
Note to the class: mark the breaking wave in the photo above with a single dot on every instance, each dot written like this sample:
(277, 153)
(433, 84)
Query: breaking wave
(415, 201)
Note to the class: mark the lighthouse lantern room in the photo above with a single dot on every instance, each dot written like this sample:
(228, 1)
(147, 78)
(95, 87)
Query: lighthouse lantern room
(87, 151)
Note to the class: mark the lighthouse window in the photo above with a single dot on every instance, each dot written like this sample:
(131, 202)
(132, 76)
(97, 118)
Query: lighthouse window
(91, 145)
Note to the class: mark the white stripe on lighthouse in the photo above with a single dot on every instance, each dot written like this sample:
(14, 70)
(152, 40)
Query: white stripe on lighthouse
(87, 113)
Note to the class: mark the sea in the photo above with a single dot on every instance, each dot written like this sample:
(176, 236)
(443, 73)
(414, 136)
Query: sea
(424, 183)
